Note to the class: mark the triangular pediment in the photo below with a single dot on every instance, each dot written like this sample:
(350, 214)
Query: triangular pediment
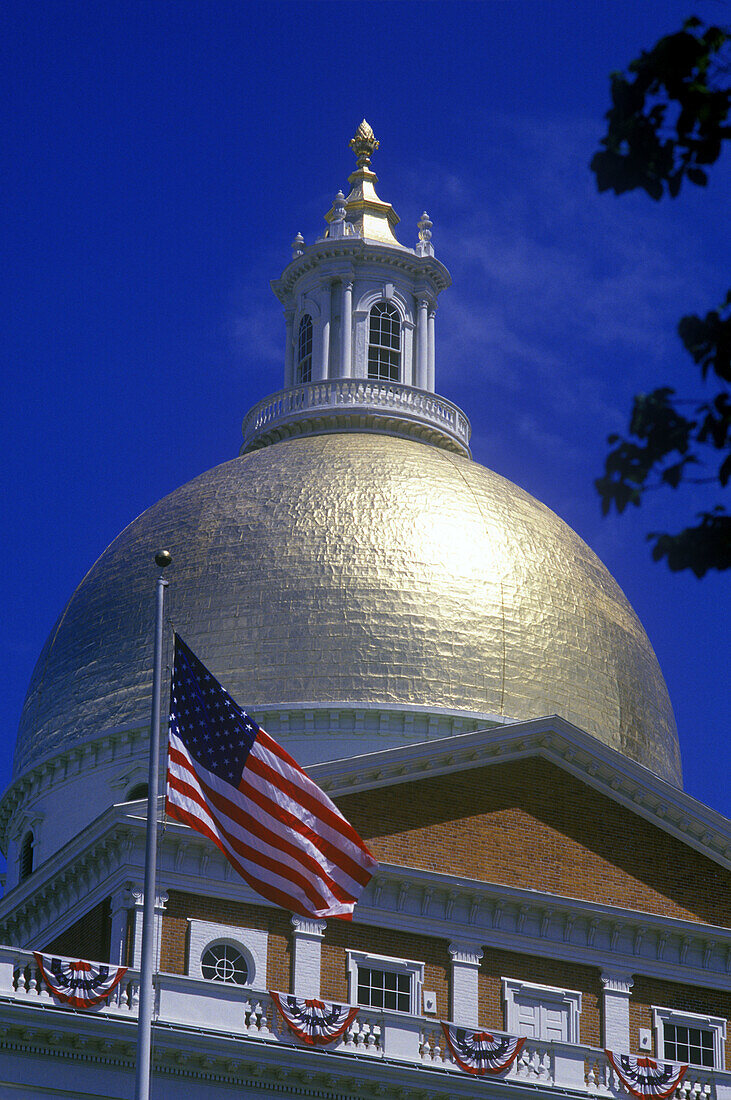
(542, 807)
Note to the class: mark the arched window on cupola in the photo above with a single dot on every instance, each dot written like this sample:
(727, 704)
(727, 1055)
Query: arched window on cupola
(304, 349)
(26, 857)
(384, 343)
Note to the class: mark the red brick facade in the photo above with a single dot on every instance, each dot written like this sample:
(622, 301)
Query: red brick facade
(88, 938)
(648, 993)
(342, 936)
(528, 825)
(498, 964)
(180, 907)
(531, 825)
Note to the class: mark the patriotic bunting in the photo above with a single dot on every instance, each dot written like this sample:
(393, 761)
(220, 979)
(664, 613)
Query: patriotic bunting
(78, 983)
(645, 1076)
(479, 1052)
(315, 1022)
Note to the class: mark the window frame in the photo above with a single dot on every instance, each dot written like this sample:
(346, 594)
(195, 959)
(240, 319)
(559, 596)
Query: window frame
(305, 324)
(386, 963)
(386, 308)
(229, 944)
(547, 994)
(715, 1024)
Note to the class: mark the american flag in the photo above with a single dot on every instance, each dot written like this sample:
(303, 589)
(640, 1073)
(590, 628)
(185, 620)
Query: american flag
(232, 782)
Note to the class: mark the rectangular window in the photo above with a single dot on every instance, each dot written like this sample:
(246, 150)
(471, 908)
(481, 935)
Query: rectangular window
(384, 989)
(689, 1037)
(382, 982)
(383, 363)
(689, 1044)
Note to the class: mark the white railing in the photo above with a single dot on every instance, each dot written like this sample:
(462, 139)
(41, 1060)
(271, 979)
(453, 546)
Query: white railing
(251, 1014)
(21, 979)
(698, 1083)
(343, 396)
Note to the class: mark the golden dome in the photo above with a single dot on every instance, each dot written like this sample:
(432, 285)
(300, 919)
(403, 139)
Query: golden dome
(360, 568)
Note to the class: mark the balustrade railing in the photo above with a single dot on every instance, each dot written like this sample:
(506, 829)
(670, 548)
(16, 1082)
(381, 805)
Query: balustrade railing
(252, 1014)
(698, 1084)
(21, 978)
(343, 395)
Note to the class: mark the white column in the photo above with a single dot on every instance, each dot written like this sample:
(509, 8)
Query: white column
(289, 349)
(346, 331)
(422, 354)
(617, 986)
(322, 373)
(465, 970)
(306, 956)
(431, 353)
(121, 901)
(138, 902)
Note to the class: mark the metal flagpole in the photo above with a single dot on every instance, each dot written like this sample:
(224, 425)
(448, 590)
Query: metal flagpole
(147, 966)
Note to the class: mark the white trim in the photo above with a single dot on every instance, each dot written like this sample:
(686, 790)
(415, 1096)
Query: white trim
(251, 942)
(546, 994)
(395, 966)
(714, 1024)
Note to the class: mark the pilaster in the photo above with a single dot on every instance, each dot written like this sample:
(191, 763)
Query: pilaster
(306, 955)
(464, 986)
(422, 337)
(120, 905)
(617, 986)
(326, 305)
(137, 895)
(431, 351)
(289, 348)
(346, 331)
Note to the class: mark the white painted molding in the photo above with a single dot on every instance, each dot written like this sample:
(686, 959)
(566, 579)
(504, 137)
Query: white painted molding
(464, 984)
(307, 938)
(549, 995)
(251, 942)
(466, 954)
(617, 986)
(386, 962)
(714, 1024)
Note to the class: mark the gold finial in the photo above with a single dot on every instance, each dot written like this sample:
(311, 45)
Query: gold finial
(364, 144)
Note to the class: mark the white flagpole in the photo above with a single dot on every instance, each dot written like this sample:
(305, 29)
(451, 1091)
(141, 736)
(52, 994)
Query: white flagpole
(147, 966)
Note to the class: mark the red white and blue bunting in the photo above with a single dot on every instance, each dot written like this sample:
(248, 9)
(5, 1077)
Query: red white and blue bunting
(78, 983)
(315, 1022)
(645, 1076)
(479, 1052)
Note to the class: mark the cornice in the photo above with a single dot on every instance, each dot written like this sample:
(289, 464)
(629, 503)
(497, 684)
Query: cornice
(191, 1054)
(110, 856)
(128, 745)
(118, 744)
(359, 251)
(612, 938)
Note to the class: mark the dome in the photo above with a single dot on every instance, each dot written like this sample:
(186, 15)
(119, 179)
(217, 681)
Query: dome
(363, 568)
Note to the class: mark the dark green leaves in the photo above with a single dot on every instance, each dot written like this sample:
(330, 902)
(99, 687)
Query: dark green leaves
(669, 114)
(668, 120)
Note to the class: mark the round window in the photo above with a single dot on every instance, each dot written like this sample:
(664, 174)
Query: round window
(224, 963)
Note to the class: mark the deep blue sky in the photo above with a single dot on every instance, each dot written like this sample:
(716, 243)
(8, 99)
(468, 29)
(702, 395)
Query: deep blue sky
(159, 159)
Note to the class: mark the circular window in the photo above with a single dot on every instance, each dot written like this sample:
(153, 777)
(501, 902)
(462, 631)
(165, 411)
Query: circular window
(224, 963)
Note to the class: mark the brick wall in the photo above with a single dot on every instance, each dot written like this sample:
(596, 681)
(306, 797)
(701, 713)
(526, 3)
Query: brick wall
(531, 825)
(648, 992)
(181, 906)
(497, 964)
(342, 936)
(88, 938)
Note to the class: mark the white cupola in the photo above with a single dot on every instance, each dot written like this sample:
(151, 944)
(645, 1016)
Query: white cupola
(359, 311)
